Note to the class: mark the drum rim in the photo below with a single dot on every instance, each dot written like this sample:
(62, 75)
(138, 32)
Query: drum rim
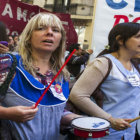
(89, 130)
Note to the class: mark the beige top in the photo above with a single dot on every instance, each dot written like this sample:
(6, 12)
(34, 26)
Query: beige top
(86, 84)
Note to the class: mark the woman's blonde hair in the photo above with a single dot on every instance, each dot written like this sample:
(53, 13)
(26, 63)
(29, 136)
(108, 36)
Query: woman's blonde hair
(25, 49)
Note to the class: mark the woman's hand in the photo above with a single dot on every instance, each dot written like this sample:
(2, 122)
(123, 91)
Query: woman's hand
(65, 123)
(3, 48)
(90, 51)
(20, 113)
(119, 124)
(66, 119)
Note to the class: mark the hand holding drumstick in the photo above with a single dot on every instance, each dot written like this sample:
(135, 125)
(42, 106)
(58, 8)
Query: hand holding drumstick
(121, 124)
(132, 120)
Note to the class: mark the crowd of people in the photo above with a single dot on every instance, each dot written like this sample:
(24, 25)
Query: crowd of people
(40, 54)
(12, 42)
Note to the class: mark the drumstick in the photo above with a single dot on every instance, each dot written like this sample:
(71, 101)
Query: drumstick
(41, 97)
(134, 119)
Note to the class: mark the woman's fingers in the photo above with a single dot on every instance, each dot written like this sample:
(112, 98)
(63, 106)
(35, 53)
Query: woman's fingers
(3, 48)
(21, 113)
(119, 124)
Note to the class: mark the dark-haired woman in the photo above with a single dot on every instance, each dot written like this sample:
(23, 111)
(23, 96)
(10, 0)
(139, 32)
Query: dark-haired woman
(121, 89)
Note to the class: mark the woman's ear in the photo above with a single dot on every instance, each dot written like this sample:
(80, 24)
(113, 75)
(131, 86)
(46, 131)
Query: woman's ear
(119, 40)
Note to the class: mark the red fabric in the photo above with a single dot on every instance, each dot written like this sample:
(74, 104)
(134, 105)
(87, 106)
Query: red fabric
(11, 13)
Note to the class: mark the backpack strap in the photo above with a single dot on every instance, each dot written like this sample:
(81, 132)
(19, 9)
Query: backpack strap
(98, 95)
(109, 69)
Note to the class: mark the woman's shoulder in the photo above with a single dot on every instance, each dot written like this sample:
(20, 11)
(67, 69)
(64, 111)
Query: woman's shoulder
(99, 62)
(8, 60)
(5, 59)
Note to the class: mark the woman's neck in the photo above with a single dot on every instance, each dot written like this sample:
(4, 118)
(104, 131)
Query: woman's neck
(42, 62)
(124, 58)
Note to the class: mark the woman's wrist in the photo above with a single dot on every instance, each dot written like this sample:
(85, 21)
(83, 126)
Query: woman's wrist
(3, 112)
(110, 119)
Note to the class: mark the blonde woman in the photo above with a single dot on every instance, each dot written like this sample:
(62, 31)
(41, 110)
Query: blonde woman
(41, 52)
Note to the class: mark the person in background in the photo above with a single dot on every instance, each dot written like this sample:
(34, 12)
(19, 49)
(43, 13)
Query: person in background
(16, 39)
(79, 58)
(11, 43)
(121, 89)
(3, 37)
(41, 54)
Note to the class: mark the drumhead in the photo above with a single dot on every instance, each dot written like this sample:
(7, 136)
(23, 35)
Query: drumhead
(90, 123)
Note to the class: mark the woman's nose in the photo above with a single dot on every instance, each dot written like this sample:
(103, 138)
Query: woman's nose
(49, 31)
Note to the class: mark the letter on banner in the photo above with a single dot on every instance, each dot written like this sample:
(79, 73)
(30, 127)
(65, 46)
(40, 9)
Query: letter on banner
(120, 17)
(116, 5)
(21, 15)
(7, 10)
(137, 5)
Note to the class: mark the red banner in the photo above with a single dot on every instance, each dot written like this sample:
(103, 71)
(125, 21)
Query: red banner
(15, 15)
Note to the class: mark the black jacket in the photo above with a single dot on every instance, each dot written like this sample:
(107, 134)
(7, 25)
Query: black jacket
(74, 64)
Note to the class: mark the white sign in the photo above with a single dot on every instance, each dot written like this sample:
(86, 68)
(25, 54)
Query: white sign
(109, 13)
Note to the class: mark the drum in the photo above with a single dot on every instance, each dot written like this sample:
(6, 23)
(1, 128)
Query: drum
(90, 127)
